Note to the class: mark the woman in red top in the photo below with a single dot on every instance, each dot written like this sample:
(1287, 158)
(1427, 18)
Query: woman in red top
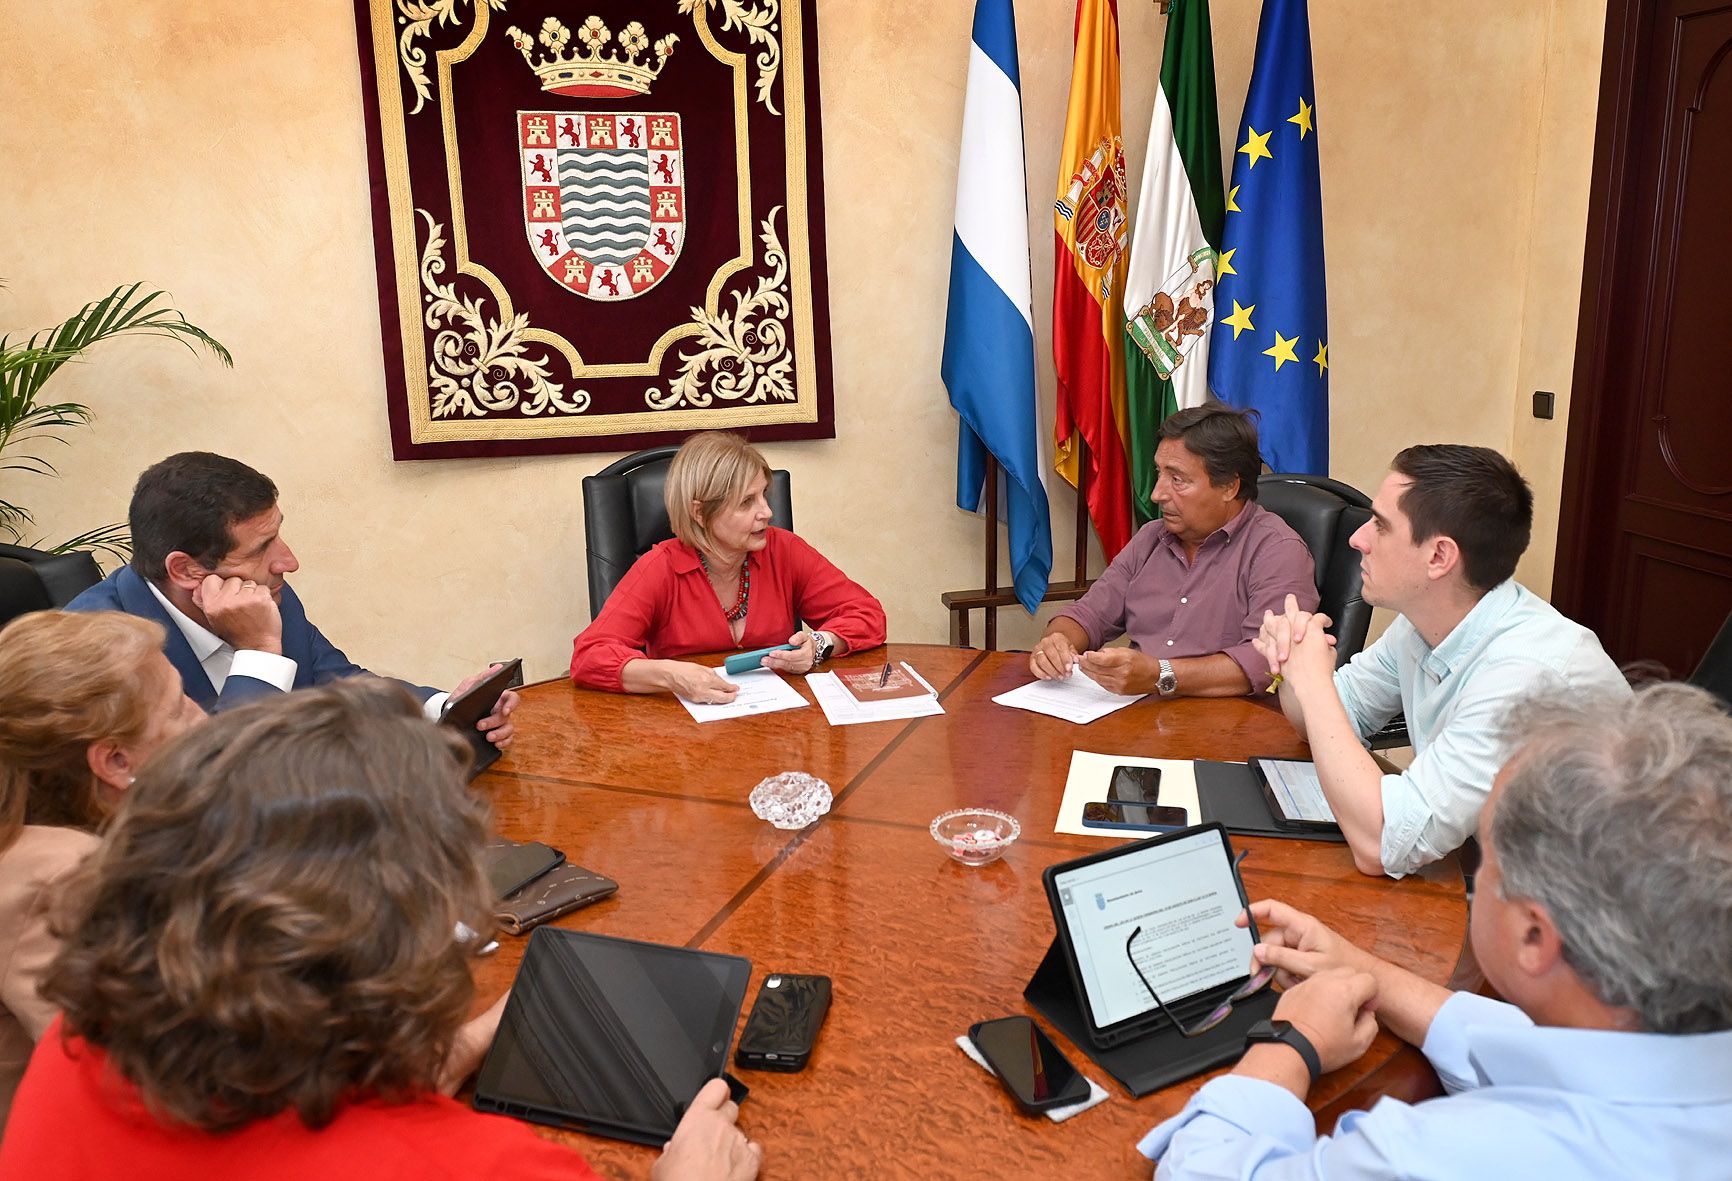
(259, 979)
(727, 579)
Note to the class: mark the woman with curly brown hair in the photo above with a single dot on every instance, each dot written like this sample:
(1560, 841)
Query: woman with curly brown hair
(83, 700)
(259, 977)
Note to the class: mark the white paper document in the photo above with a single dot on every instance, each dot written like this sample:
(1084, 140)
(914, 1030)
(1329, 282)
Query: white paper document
(841, 707)
(1091, 774)
(761, 692)
(1296, 788)
(1077, 698)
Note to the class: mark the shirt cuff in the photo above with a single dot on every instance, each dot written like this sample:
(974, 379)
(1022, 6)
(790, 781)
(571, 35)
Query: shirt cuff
(1446, 1043)
(434, 706)
(1404, 815)
(274, 670)
(1253, 664)
(1234, 1107)
(1095, 634)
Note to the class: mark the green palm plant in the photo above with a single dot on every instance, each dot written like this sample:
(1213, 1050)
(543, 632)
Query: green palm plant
(29, 425)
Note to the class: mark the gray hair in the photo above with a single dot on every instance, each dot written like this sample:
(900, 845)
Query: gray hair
(1617, 818)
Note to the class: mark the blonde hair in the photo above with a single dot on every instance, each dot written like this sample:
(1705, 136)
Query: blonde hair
(67, 680)
(712, 469)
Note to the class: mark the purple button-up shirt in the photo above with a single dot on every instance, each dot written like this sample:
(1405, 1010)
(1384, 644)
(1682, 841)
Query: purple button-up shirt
(1172, 608)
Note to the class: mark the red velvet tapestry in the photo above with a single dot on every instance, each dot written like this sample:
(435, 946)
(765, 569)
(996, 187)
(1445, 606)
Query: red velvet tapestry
(599, 223)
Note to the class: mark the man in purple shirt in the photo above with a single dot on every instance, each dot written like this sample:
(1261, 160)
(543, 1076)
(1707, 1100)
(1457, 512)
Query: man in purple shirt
(1191, 588)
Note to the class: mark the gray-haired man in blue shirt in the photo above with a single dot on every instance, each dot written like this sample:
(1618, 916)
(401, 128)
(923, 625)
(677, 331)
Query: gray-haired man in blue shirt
(1603, 913)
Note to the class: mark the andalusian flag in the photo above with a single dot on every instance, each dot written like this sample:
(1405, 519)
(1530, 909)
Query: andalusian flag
(1088, 279)
(1169, 290)
(1271, 350)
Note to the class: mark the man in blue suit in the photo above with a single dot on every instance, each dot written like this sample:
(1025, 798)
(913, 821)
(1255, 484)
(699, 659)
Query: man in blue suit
(209, 563)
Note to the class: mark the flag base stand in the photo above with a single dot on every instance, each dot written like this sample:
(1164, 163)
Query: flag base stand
(990, 598)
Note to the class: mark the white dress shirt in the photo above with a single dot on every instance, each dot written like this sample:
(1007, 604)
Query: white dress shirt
(222, 660)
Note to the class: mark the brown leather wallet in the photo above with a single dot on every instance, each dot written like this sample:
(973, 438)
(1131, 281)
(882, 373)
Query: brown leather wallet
(559, 891)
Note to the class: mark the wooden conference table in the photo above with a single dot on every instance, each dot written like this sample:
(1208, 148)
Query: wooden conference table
(918, 946)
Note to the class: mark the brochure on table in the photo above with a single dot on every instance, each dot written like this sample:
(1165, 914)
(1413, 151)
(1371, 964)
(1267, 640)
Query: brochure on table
(843, 708)
(1091, 774)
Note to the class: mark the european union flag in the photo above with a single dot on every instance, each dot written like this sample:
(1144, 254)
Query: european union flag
(1270, 348)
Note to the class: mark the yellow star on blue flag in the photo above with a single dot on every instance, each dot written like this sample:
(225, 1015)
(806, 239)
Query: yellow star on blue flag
(1274, 236)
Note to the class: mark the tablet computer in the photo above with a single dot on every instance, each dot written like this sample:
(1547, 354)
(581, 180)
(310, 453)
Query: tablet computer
(464, 710)
(611, 1036)
(1294, 795)
(1182, 891)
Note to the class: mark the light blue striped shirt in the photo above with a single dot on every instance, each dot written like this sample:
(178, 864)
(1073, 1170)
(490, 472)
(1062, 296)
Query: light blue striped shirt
(1527, 1101)
(1513, 643)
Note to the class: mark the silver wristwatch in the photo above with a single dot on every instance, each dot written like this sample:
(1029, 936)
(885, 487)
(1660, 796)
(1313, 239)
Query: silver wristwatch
(822, 646)
(1168, 684)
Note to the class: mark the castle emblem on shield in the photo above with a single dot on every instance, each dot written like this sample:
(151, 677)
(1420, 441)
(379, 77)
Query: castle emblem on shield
(604, 198)
(604, 193)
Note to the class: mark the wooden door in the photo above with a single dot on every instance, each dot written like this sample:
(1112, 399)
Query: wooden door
(1645, 539)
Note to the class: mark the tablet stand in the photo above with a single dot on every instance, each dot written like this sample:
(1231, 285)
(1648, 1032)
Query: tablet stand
(1157, 1059)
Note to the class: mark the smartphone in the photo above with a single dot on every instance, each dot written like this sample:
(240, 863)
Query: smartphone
(746, 661)
(1136, 817)
(1031, 1068)
(784, 1022)
(512, 867)
(1135, 785)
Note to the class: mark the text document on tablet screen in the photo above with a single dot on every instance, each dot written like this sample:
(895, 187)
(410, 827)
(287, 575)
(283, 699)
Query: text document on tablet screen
(1184, 896)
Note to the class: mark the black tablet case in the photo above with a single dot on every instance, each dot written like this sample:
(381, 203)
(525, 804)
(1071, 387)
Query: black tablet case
(1157, 1059)
(580, 1046)
(1230, 794)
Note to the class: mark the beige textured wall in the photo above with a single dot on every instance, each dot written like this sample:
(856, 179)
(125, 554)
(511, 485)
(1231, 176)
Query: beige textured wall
(218, 152)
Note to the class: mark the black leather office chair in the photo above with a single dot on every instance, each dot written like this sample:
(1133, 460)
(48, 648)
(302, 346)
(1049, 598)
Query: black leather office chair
(1714, 673)
(64, 576)
(1325, 513)
(21, 590)
(624, 515)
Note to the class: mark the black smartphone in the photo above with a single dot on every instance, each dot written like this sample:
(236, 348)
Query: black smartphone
(512, 867)
(1135, 785)
(1136, 817)
(784, 1022)
(1031, 1068)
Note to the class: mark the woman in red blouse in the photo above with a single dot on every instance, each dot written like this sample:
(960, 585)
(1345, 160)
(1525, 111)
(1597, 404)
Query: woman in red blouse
(727, 579)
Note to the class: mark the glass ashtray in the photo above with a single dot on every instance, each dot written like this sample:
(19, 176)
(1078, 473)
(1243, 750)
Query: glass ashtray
(975, 836)
(791, 800)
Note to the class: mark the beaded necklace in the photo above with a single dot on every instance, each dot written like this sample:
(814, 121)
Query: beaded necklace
(738, 611)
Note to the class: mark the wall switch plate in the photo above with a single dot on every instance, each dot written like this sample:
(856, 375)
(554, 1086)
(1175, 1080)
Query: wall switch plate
(1545, 403)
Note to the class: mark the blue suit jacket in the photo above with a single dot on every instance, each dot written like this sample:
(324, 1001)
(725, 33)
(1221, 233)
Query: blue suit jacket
(317, 660)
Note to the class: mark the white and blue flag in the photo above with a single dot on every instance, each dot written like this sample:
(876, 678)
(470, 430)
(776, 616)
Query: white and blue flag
(988, 362)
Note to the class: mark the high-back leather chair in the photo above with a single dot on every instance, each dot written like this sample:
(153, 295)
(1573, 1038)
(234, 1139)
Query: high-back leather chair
(1325, 513)
(64, 576)
(1714, 673)
(21, 590)
(624, 515)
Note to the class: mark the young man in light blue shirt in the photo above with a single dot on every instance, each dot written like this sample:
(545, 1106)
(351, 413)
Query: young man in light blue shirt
(1603, 912)
(1447, 528)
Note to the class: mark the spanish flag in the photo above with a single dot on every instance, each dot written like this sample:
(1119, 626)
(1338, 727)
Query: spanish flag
(1088, 319)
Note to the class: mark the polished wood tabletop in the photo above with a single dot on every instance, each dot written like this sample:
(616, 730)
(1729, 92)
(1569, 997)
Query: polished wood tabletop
(918, 947)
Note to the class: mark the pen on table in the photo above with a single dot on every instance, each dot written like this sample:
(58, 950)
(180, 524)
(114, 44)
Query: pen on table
(884, 677)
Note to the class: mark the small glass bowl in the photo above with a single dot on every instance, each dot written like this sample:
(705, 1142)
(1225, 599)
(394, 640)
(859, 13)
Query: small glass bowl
(975, 836)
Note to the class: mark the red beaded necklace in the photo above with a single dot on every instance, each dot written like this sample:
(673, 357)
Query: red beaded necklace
(738, 611)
